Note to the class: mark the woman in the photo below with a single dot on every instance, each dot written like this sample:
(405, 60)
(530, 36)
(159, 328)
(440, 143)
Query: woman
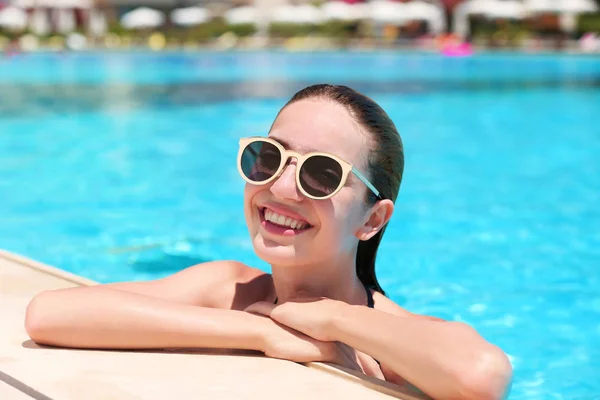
(318, 219)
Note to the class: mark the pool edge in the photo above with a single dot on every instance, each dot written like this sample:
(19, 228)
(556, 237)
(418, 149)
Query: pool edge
(46, 269)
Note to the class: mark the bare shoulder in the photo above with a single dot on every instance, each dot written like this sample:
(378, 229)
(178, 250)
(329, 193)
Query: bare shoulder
(236, 285)
(216, 284)
(223, 270)
(385, 304)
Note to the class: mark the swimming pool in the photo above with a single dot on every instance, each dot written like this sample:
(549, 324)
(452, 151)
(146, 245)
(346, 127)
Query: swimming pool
(120, 166)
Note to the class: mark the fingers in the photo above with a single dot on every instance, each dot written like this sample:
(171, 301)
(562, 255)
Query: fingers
(347, 357)
(370, 367)
(261, 308)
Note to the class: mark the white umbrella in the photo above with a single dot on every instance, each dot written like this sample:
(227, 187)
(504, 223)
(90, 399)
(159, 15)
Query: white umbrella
(97, 25)
(242, 15)
(69, 3)
(65, 20)
(23, 3)
(13, 18)
(561, 6)
(142, 18)
(39, 23)
(341, 11)
(388, 12)
(190, 16)
(302, 14)
(507, 9)
(541, 6)
(421, 10)
(53, 3)
(479, 7)
(579, 6)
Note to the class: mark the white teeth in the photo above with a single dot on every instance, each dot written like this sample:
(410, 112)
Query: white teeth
(283, 220)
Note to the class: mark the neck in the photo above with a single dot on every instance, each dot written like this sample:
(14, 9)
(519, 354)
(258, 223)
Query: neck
(328, 279)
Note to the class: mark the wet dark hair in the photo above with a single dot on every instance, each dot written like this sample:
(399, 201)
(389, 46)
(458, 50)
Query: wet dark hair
(385, 161)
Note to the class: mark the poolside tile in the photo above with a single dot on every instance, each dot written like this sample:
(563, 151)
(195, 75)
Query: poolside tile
(8, 392)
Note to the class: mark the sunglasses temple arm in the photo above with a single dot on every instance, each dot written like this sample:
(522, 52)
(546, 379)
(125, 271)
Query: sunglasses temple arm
(365, 181)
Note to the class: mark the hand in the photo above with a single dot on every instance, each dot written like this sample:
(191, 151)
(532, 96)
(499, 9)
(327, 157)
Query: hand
(309, 321)
(279, 341)
(313, 317)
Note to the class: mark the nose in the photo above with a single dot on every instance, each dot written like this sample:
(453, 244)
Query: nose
(285, 186)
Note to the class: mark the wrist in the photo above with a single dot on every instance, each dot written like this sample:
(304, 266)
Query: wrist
(339, 321)
(258, 329)
(241, 330)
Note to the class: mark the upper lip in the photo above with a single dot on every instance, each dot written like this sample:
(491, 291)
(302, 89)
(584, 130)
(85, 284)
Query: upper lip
(282, 210)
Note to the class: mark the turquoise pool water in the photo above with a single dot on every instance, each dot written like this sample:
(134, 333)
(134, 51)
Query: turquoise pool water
(122, 166)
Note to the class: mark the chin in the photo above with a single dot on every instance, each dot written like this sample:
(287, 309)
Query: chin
(274, 253)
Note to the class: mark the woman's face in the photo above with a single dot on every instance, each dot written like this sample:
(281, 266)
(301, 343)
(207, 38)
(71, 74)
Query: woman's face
(331, 226)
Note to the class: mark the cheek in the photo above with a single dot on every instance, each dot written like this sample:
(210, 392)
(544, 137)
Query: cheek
(250, 192)
(352, 222)
(343, 217)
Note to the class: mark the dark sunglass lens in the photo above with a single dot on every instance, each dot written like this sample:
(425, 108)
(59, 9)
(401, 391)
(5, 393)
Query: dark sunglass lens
(260, 161)
(320, 175)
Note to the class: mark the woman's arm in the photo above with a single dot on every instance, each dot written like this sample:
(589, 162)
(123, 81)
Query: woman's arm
(99, 317)
(191, 308)
(196, 308)
(446, 360)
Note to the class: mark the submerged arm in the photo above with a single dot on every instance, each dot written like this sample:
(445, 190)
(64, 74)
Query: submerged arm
(446, 360)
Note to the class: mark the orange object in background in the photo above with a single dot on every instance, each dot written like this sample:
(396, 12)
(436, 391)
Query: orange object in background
(390, 33)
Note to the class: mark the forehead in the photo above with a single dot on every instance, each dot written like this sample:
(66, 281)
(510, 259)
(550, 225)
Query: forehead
(321, 125)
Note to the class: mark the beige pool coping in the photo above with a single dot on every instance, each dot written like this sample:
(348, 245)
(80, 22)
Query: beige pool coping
(29, 371)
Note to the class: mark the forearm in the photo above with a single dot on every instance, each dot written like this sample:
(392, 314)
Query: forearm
(106, 318)
(444, 359)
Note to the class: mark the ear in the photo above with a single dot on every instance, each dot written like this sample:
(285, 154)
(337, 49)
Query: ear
(376, 218)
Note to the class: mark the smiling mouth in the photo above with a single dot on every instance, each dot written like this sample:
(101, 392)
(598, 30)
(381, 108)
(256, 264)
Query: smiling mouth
(274, 220)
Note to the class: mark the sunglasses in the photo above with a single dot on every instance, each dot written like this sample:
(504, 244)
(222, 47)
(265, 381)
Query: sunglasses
(319, 176)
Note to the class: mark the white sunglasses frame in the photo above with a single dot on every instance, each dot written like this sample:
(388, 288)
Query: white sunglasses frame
(300, 159)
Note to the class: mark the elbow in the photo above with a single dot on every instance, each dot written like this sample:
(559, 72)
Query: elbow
(36, 318)
(490, 376)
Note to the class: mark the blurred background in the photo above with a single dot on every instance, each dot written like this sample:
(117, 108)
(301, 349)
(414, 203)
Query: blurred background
(120, 121)
(299, 24)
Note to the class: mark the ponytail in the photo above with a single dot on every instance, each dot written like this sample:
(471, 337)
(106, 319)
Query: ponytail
(365, 262)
